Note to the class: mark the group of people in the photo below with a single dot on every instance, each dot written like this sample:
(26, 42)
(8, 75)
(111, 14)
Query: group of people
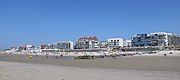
(166, 54)
(47, 56)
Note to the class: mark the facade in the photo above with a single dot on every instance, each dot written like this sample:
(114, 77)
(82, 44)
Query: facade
(61, 45)
(65, 45)
(127, 43)
(115, 42)
(21, 48)
(26, 47)
(54, 46)
(174, 40)
(43, 46)
(50, 46)
(103, 44)
(29, 47)
(87, 43)
(156, 39)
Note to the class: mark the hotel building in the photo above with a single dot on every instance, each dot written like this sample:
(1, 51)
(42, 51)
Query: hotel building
(118, 42)
(87, 43)
(61, 45)
(156, 39)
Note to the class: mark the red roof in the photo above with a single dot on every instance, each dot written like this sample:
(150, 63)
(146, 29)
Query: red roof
(94, 38)
(85, 38)
(89, 38)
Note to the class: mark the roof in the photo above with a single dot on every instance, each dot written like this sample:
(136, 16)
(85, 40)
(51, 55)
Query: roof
(89, 38)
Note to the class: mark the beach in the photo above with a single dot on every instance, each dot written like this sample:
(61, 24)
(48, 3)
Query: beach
(23, 71)
(20, 67)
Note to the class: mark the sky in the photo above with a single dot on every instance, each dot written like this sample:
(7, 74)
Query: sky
(39, 22)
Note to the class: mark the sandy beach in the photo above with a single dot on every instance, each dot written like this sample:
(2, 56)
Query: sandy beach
(20, 67)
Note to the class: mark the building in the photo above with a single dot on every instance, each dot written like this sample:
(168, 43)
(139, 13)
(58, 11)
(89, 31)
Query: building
(50, 46)
(155, 39)
(44, 46)
(54, 46)
(174, 40)
(118, 42)
(103, 44)
(127, 43)
(115, 42)
(30, 47)
(61, 45)
(65, 45)
(87, 43)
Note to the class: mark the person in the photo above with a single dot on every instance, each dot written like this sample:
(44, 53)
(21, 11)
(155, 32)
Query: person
(56, 57)
(164, 54)
(61, 55)
(114, 56)
(47, 56)
(36, 55)
(170, 52)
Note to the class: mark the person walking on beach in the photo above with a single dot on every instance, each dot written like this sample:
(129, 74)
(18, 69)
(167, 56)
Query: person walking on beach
(36, 55)
(61, 55)
(47, 56)
(170, 53)
(57, 57)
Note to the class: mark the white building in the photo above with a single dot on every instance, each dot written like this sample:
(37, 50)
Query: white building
(29, 47)
(115, 42)
(118, 42)
(162, 35)
(127, 43)
(65, 45)
(103, 44)
(87, 43)
(61, 45)
(154, 39)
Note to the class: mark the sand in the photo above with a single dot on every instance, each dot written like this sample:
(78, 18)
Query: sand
(20, 67)
(24, 71)
(161, 53)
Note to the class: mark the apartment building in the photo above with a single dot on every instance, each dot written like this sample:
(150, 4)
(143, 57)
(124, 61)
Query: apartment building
(156, 39)
(61, 45)
(87, 43)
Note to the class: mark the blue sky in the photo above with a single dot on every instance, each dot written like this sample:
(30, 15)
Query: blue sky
(46, 21)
